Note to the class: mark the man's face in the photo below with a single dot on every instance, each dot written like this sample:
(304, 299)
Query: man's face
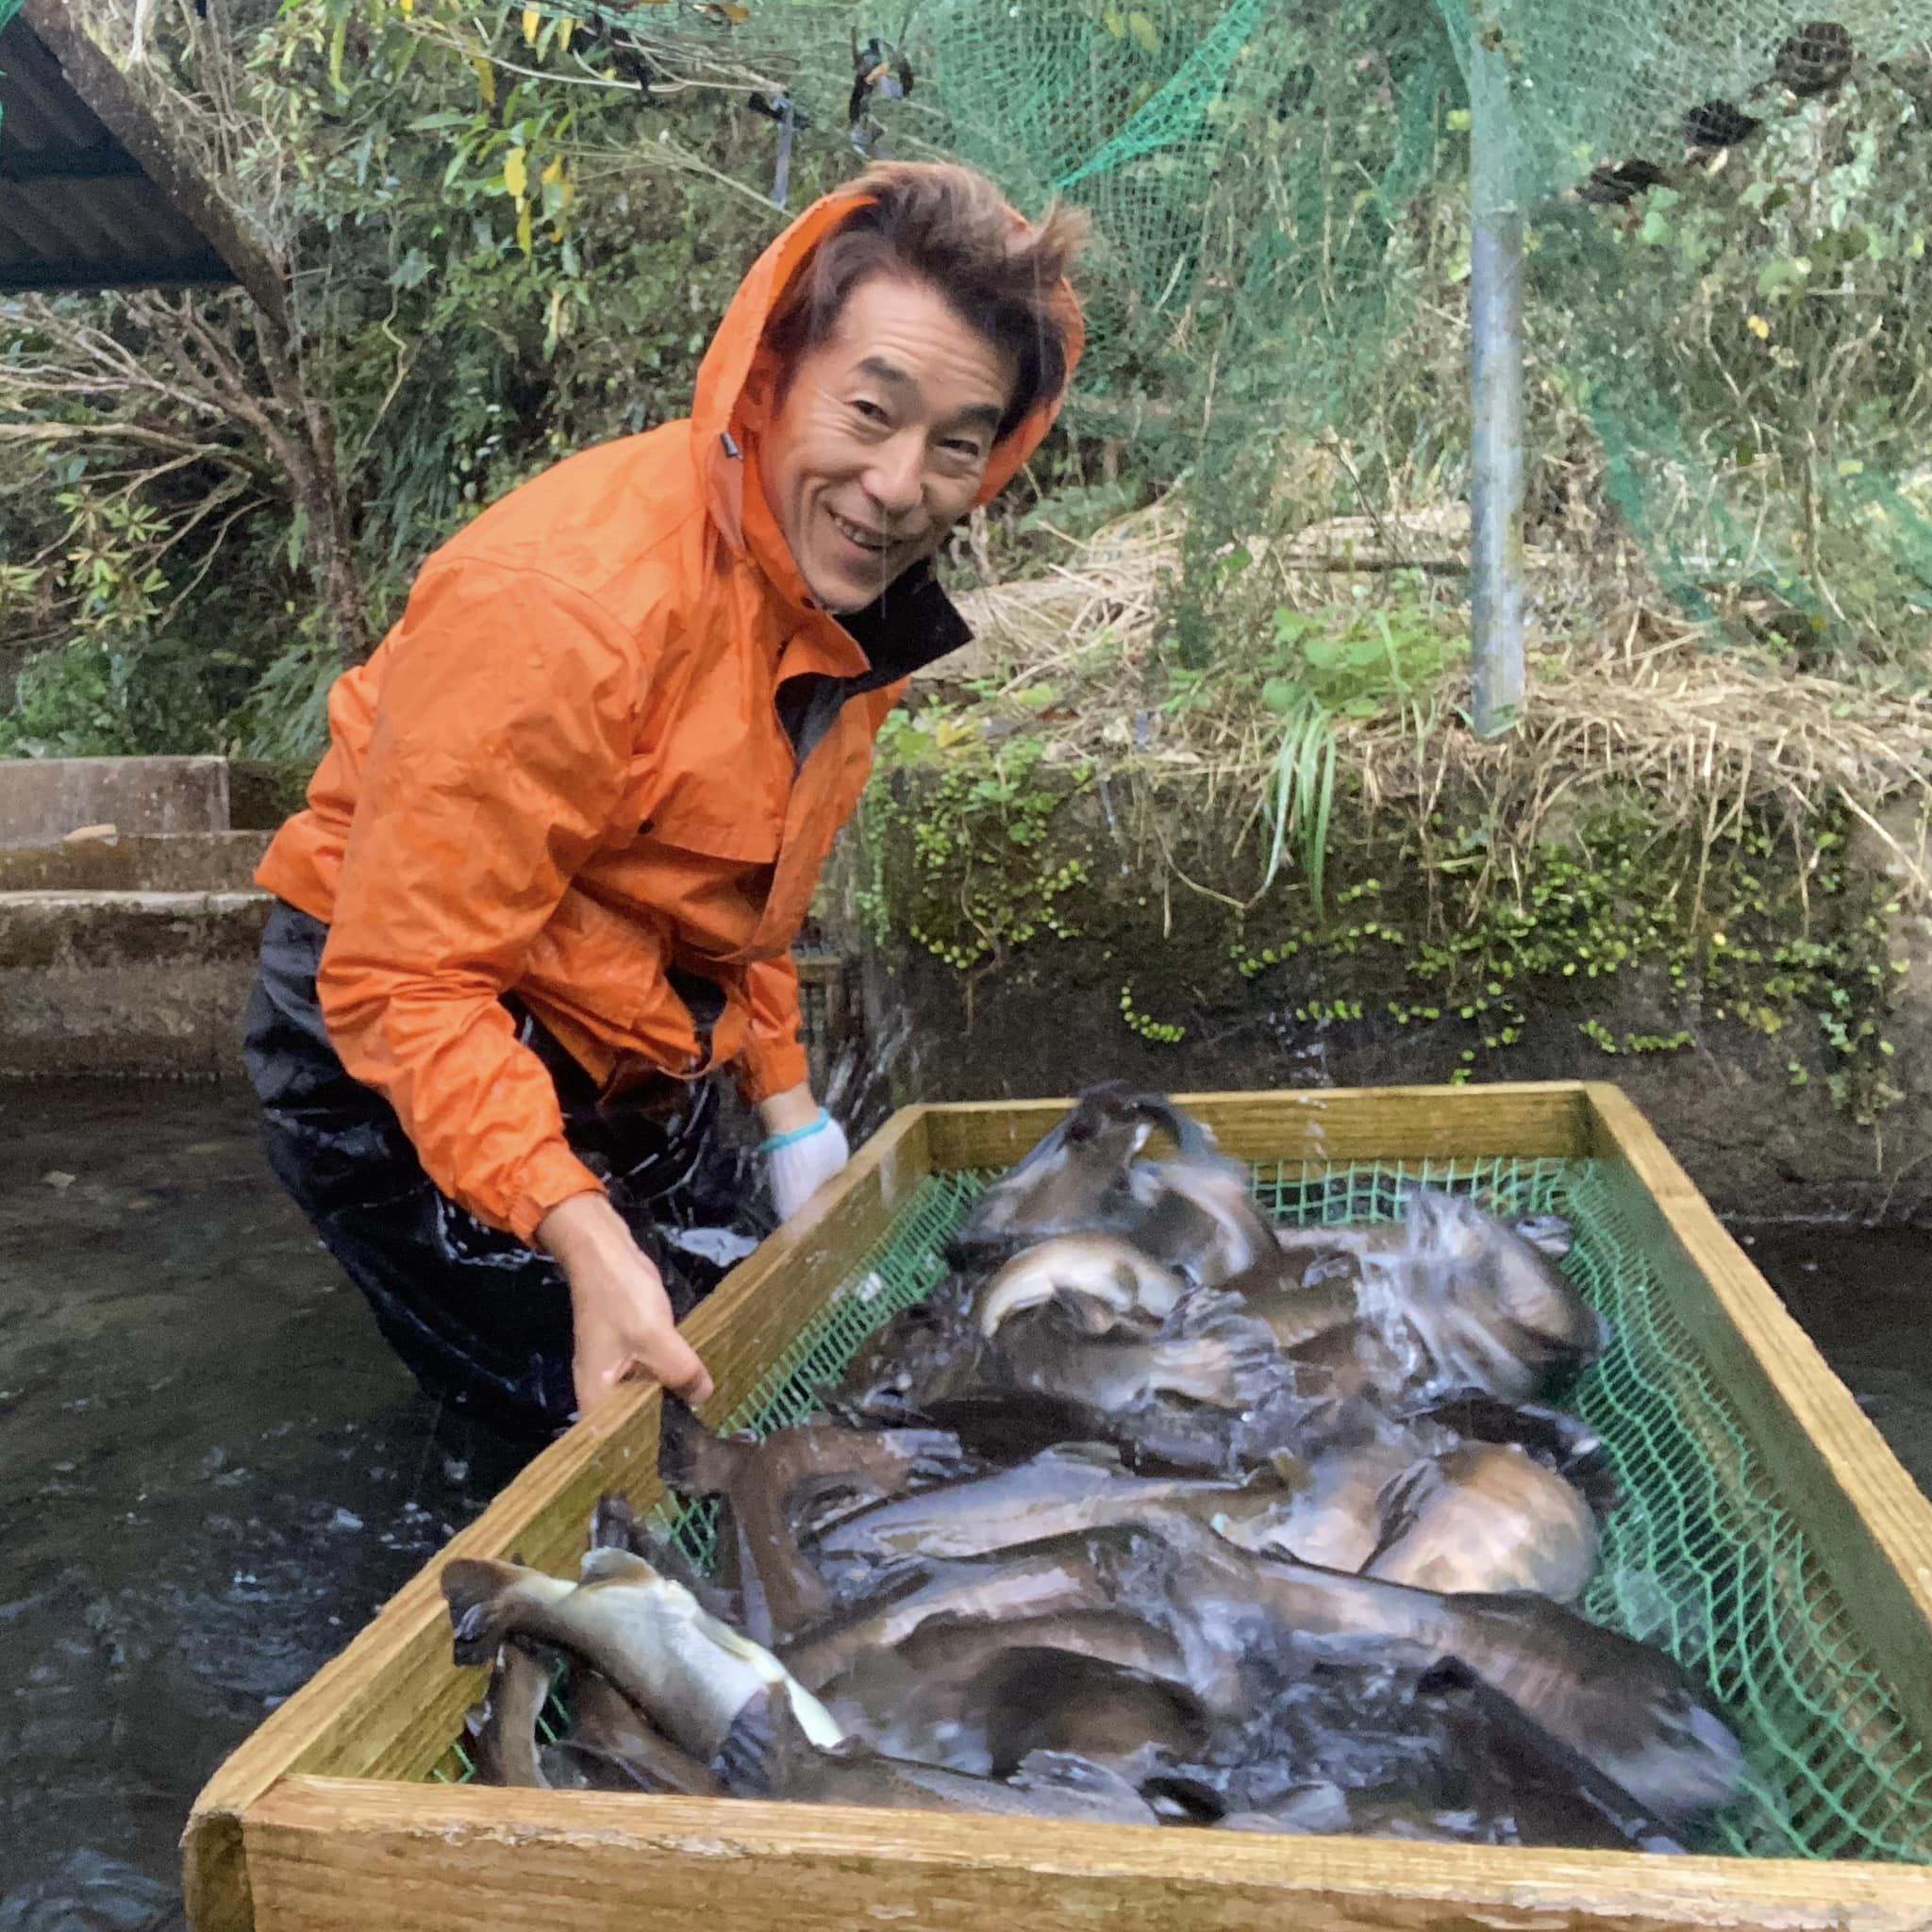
(882, 440)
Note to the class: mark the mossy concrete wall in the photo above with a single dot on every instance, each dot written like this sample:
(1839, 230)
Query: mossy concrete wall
(128, 956)
(1767, 1004)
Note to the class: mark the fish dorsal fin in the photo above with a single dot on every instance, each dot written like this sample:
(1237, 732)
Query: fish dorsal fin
(1403, 1501)
(612, 1565)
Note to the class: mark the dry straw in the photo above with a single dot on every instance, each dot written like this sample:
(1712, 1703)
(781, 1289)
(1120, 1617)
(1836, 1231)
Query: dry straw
(1634, 696)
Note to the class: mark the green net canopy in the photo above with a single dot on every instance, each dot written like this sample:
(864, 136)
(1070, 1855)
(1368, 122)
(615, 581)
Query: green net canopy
(1728, 208)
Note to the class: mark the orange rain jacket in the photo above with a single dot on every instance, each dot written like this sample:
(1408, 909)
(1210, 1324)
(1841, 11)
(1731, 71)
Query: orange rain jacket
(565, 773)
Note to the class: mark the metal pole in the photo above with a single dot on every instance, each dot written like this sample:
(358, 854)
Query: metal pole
(1495, 317)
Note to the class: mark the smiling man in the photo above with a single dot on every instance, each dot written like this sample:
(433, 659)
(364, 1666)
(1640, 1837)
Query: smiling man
(575, 805)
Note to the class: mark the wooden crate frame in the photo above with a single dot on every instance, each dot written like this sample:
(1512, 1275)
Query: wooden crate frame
(324, 1820)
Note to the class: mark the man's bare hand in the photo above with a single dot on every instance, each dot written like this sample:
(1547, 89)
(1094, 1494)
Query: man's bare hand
(619, 1310)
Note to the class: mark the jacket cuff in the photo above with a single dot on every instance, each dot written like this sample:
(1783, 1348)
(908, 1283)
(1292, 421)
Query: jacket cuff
(553, 1176)
(771, 1067)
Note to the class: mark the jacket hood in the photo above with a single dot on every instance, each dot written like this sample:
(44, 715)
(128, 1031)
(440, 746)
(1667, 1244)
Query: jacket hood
(734, 380)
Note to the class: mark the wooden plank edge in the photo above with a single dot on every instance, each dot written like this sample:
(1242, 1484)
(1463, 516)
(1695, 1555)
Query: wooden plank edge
(1822, 1419)
(215, 1875)
(1524, 1118)
(444, 1858)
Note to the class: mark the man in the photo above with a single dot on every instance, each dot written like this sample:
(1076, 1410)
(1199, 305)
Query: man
(575, 805)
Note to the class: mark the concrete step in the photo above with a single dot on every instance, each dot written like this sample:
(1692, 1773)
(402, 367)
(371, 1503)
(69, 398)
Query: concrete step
(137, 983)
(165, 862)
(42, 800)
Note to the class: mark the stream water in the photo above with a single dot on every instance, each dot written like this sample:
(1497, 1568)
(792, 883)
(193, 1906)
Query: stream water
(212, 1471)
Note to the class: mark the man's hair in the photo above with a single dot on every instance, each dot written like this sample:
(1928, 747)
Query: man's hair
(946, 225)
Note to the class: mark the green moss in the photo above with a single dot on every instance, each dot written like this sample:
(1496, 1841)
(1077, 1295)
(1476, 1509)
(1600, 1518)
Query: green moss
(982, 855)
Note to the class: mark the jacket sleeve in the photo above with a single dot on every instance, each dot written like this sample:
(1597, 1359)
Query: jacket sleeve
(773, 1058)
(499, 756)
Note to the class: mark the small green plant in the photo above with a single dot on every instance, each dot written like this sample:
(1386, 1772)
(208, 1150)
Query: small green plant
(1301, 787)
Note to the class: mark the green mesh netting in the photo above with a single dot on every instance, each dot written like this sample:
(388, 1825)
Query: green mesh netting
(1701, 1557)
(1728, 317)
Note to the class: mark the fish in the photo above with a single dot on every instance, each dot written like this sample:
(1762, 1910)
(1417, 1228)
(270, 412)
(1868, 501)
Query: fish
(1484, 1517)
(1469, 1304)
(919, 1700)
(1112, 1569)
(1058, 1492)
(612, 1742)
(1197, 1217)
(694, 1676)
(614, 1526)
(1334, 1515)
(1100, 1268)
(1045, 1785)
(1461, 1765)
(1031, 1699)
(503, 1728)
(1073, 1181)
(1560, 1441)
(1004, 1425)
(779, 1589)
(1206, 1352)
(1299, 1307)
(917, 1356)
(1625, 1708)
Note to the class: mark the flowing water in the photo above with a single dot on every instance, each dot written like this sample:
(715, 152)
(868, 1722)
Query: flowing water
(212, 1471)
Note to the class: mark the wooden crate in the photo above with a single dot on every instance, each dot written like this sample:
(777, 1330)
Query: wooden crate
(325, 1819)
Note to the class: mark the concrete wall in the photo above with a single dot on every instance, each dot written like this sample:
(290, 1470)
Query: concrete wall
(126, 983)
(42, 800)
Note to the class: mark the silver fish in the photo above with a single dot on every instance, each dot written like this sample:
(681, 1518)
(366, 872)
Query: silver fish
(694, 1675)
(1099, 1267)
(1057, 1493)
(1073, 1181)
(1046, 1785)
(1029, 1699)
(1198, 1217)
(779, 1590)
(1334, 1517)
(1469, 1304)
(1623, 1706)
(1078, 1350)
(612, 1742)
(1486, 1517)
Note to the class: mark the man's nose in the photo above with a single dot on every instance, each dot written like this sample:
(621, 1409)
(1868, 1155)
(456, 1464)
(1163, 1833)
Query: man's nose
(894, 480)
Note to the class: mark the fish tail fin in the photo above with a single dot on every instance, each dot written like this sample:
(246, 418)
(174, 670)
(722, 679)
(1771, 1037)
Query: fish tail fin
(766, 1752)
(614, 1525)
(691, 1461)
(476, 1591)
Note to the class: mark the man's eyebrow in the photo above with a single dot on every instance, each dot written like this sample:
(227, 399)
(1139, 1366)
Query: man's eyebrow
(978, 415)
(888, 372)
(981, 416)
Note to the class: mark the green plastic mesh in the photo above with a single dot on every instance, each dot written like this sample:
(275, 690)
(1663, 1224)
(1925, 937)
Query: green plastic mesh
(1701, 1557)
(1281, 193)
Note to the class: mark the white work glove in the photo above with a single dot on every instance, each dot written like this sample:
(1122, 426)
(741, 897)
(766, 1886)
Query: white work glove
(799, 1163)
